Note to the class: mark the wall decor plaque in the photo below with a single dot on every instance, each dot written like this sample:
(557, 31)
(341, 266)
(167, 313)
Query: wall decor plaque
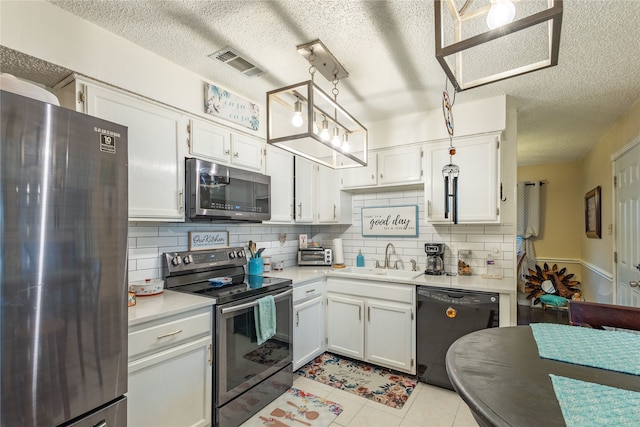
(390, 221)
(225, 105)
(592, 213)
(203, 240)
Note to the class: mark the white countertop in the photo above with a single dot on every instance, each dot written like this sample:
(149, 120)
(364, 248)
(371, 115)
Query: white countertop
(171, 302)
(165, 304)
(301, 275)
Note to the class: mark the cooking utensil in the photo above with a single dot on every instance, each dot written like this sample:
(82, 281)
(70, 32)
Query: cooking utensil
(311, 415)
(259, 252)
(282, 413)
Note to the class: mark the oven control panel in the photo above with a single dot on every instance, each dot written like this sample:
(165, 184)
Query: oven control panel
(182, 262)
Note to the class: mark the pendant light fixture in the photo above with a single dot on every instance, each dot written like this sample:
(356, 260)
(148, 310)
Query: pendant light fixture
(293, 111)
(481, 29)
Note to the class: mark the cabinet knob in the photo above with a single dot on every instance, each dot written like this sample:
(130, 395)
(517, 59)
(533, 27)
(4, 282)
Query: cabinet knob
(235, 155)
(634, 284)
(226, 152)
(300, 210)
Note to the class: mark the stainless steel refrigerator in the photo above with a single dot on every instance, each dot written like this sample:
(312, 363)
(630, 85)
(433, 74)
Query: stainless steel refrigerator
(63, 266)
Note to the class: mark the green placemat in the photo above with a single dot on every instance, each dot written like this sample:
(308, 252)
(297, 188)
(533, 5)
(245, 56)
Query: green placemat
(586, 404)
(612, 350)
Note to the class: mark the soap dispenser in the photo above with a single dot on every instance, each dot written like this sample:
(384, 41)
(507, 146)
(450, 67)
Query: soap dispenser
(360, 259)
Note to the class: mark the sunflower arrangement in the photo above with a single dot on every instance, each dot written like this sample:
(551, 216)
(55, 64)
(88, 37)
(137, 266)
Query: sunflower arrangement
(545, 281)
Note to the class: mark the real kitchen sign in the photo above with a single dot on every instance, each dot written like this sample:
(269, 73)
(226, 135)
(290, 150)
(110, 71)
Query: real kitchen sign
(202, 240)
(390, 221)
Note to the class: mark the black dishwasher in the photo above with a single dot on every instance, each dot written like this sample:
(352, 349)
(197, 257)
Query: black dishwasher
(444, 315)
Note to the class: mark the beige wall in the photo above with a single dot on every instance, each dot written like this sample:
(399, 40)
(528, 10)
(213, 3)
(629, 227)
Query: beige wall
(562, 236)
(562, 209)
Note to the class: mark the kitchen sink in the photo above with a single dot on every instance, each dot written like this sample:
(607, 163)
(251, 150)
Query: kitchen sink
(386, 272)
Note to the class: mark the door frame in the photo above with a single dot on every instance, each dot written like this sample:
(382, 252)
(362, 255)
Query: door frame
(614, 157)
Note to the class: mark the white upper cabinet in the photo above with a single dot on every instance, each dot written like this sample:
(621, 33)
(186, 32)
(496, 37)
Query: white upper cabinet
(359, 177)
(478, 182)
(390, 167)
(334, 205)
(279, 166)
(219, 144)
(400, 166)
(305, 190)
(156, 156)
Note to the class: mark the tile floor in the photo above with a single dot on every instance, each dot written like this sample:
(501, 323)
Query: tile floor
(427, 406)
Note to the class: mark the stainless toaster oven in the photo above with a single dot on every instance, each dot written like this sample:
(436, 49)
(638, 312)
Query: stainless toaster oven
(315, 256)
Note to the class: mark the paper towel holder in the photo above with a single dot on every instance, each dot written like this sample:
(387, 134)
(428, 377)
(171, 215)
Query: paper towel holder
(338, 254)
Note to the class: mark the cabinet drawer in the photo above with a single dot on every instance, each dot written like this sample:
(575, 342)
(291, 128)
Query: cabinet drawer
(169, 332)
(369, 289)
(310, 290)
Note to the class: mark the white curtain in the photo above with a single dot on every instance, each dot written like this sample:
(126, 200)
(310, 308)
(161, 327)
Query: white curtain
(528, 221)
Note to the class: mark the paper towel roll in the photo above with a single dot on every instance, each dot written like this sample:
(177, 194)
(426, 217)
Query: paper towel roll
(338, 252)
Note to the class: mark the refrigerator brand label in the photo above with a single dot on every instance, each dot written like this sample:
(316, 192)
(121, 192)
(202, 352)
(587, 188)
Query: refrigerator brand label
(107, 143)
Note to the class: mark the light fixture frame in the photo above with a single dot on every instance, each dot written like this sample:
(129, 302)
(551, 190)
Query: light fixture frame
(553, 14)
(347, 122)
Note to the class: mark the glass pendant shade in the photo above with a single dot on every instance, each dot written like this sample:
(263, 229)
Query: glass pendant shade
(304, 141)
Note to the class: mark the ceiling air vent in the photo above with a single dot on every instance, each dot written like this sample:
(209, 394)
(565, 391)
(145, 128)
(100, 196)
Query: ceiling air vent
(235, 59)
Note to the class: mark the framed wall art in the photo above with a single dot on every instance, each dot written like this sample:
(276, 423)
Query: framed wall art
(390, 221)
(592, 213)
(203, 240)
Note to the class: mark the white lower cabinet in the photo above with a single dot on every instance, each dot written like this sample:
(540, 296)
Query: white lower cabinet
(372, 321)
(170, 371)
(308, 322)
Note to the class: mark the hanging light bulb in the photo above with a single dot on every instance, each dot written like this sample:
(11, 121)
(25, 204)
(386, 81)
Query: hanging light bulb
(324, 133)
(315, 125)
(345, 142)
(502, 12)
(297, 120)
(336, 137)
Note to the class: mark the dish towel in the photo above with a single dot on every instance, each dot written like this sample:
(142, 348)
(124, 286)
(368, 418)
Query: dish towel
(265, 315)
(586, 404)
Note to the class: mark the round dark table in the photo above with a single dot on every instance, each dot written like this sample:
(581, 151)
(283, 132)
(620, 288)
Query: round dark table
(500, 375)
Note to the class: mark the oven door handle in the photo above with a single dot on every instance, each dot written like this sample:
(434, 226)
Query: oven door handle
(254, 303)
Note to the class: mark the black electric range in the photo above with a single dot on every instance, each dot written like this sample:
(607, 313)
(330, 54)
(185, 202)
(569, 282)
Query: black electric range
(216, 273)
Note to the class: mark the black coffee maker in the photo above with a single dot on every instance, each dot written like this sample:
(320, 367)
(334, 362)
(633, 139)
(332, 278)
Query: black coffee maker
(435, 258)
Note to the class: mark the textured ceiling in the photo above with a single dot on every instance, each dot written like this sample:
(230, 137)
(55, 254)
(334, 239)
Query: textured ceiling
(388, 49)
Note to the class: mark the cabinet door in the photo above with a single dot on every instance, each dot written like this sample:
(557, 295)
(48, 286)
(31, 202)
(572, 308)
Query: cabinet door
(279, 166)
(305, 190)
(365, 176)
(209, 141)
(308, 331)
(478, 160)
(390, 331)
(400, 166)
(345, 325)
(172, 388)
(247, 152)
(156, 157)
(328, 192)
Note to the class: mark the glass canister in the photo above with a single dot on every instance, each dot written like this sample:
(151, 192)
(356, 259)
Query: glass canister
(464, 262)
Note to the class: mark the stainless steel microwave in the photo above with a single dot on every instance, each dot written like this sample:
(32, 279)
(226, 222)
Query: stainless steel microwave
(219, 192)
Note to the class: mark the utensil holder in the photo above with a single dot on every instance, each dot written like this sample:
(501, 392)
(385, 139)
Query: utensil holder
(256, 266)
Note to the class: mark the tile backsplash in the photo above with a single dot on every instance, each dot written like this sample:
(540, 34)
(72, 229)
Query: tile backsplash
(148, 241)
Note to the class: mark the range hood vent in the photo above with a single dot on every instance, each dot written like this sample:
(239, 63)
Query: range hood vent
(235, 59)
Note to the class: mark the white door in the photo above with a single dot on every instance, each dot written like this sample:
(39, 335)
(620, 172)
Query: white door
(390, 335)
(279, 166)
(209, 141)
(305, 190)
(328, 194)
(627, 200)
(247, 152)
(345, 327)
(401, 165)
(308, 331)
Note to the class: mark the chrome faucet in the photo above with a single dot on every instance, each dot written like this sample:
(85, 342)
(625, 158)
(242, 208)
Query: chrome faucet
(386, 256)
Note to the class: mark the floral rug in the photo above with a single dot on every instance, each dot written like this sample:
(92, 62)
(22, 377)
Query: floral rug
(296, 408)
(374, 383)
